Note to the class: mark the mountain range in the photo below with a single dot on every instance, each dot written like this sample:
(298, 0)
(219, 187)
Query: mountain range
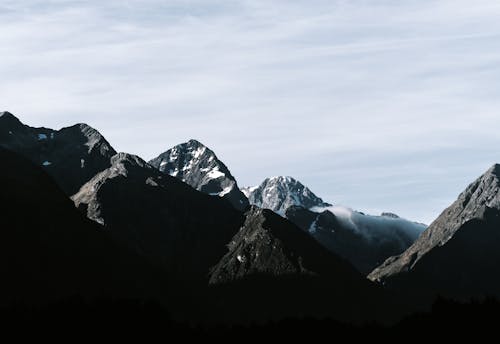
(82, 219)
(365, 241)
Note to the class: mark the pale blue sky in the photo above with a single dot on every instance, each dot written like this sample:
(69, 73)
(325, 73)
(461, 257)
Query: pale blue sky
(377, 105)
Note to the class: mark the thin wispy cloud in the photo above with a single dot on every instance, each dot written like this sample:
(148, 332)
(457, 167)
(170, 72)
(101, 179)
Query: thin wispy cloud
(382, 106)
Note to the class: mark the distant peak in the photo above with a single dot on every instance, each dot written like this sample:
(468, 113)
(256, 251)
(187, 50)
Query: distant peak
(281, 192)
(6, 115)
(84, 128)
(192, 146)
(10, 121)
(194, 142)
(83, 125)
(283, 179)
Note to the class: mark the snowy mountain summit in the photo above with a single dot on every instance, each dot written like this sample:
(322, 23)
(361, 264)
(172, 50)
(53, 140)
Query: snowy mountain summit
(280, 193)
(197, 165)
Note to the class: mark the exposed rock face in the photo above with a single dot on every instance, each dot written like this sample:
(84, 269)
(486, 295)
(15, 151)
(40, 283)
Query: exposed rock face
(150, 227)
(260, 247)
(453, 249)
(274, 268)
(72, 156)
(365, 241)
(280, 193)
(198, 166)
(160, 217)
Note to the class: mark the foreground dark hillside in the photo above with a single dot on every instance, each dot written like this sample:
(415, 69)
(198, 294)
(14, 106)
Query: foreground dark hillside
(50, 251)
(76, 319)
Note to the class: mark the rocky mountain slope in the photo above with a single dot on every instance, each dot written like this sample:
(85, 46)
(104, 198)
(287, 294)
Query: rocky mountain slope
(273, 269)
(195, 164)
(160, 217)
(280, 193)
(267, 244)
(72, 155)
(458, 254)
(203, 240)
(364, 240)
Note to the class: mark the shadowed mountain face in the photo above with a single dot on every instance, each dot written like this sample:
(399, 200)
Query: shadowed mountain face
(205, 241)
(280, 193)
(159, 216)
(274, 269)
(198, 166)
(365, 241)
(221, 264)
(268, 244)
(49, 251)
(458, 254)
(72, 156)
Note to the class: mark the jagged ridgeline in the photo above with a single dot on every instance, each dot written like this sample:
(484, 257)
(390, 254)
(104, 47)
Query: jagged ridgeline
(72, 155)
(198, 166)
(365, 241)
(166, 225)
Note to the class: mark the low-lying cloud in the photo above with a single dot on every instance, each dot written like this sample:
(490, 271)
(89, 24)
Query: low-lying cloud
(377, 229)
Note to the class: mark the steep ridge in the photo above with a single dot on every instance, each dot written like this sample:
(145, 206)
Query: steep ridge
(72, 155)
(195, 164)
(280, 193)
(203, 240)
(159, 216)
(273, 269)
(456, 255)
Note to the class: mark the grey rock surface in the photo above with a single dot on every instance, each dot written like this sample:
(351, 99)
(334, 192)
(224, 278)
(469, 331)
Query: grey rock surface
(480, 198)
(280, 193)
(72, 155)
(198, 166)
(160, 217)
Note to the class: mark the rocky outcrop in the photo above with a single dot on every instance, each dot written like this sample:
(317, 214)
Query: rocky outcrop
(198, 166)
(72, 155)
(280, 193)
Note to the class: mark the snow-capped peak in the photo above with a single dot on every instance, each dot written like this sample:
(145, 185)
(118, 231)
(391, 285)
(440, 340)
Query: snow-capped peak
(281, 192)
(197, 165)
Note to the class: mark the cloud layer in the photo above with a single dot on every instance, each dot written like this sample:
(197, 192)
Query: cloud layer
(391, 106)
(378, 229)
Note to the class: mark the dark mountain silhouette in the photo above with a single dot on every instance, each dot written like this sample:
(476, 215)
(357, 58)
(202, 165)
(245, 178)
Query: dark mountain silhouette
(159, 216)
(72, 155)
(273, 269)
(457, 256)
(50, 252)
(198, 238)
(267, 244)
(195, 164)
